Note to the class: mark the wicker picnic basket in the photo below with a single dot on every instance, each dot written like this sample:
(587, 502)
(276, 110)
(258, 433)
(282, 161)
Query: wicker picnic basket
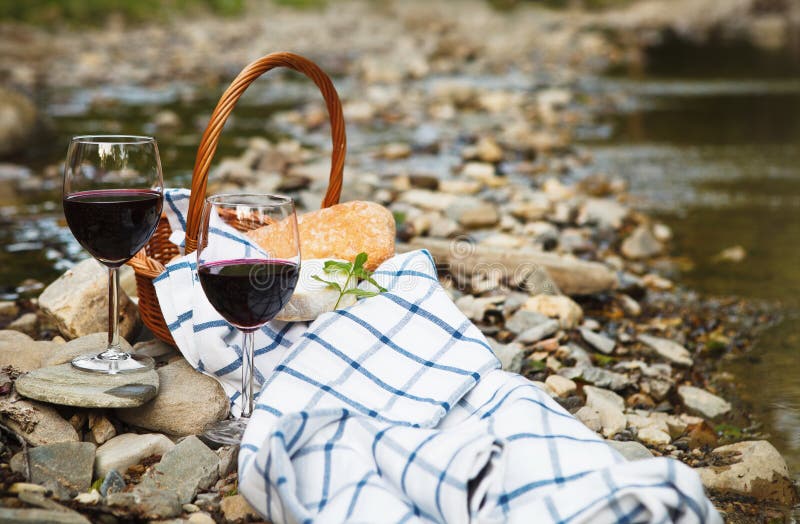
(150, 261)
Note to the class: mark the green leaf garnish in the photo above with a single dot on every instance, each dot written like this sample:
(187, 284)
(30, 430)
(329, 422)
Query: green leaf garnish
(355, 270)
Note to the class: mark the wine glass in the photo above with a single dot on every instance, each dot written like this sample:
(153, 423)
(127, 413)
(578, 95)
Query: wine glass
(113, 193)
(248, 263)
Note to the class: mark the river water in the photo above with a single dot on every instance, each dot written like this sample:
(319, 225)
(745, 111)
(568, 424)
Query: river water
(707, 138)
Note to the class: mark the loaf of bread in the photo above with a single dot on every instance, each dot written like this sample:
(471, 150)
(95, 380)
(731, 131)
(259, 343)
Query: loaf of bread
(337, 232)
(311, 298)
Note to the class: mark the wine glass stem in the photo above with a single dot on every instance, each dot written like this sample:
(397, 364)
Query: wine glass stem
(113, 351)
(247, 374)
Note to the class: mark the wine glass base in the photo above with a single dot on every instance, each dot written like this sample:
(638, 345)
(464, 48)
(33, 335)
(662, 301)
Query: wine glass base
(225, 432)
(128, 364)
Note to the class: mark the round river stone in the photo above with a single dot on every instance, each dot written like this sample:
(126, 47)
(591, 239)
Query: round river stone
(68, 386)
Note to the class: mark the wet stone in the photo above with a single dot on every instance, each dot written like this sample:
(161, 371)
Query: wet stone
(68, 386)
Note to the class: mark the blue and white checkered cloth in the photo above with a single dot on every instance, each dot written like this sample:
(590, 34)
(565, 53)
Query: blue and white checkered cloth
(394, 410)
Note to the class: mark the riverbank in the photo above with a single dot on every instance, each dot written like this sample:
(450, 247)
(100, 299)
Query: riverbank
(471, 139)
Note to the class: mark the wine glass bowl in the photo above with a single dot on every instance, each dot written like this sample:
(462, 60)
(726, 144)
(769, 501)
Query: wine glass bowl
(112, 198)
(248, 263)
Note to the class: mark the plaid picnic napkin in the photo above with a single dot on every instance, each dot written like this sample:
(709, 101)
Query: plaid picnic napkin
(394, 410)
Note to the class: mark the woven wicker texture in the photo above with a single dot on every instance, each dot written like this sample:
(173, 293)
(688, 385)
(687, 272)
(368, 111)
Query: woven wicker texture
(150, 261)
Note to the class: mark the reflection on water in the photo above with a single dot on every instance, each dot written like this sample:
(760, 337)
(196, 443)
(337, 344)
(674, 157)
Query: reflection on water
(710, 144)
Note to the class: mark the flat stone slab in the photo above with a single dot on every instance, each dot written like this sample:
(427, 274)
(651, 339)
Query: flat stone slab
(68, 386)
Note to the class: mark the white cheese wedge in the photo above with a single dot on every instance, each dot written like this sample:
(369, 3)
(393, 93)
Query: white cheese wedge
(311, 297)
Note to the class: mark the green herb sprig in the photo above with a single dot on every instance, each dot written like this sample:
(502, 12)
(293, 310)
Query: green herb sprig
(355, 270)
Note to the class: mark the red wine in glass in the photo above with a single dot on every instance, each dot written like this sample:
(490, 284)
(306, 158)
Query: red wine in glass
(249, 292)
(113, 224)
(112, 199)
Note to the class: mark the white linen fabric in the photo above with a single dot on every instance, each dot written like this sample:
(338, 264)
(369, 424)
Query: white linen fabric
(395, 410)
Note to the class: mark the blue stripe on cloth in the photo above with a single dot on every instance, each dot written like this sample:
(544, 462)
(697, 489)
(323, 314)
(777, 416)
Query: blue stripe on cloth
(358, 367)
(374, 331)
(173, 268)
(171, 202)
(326, 478)
(183, 317)
(230, 236)
(411, 458)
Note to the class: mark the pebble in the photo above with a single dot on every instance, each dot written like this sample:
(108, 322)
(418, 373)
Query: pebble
(27, 323)
(668, 349)
(128, 449)
(78, 302)
(184, 469)
(522, 320)
(653, 436)
(609, 407)
(568, 313)
(605, 213)
(237, 508)
(147, 502)
(91, 498)
(65, 467)
(187, 402)
(65, 385)
(537, 333)
(590, 418)
(562, 387)
(40, 516)
(22, 352)
(228, 459)
(509, 355)
(39, 424)
(200, 518)
(112, 483)
(641, 244)
(631, 450)
(474, 215)
(601, 343)
(751, 469)
(8, 309)
(703, 403)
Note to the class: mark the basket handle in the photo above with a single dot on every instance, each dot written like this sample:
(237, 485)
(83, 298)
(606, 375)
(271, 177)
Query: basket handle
(210, 140)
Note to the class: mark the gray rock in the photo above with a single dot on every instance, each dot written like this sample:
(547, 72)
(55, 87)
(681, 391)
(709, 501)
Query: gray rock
(523, 320)
(147, 502)
(578, 354)
(112, 483)
(65, 468)
(641, 244)
(654, 436)
(537, 333)
(751, 469)
(128, 449)
(40, 516)
(88, 344)
(668, 349)
(509, 355)
(228, 458)
(604, 378)
(703, 403)
(39, 424)
(78, 302)
(65, 385)
(22, 352)
(184, 469)
(601, 343)
(187, 402)
(609, 407)
(631, 450)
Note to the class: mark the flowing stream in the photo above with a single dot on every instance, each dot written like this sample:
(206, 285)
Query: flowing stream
(708, 140)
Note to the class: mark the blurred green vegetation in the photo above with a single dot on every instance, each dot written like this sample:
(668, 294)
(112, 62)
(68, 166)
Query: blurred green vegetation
(96, 12)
